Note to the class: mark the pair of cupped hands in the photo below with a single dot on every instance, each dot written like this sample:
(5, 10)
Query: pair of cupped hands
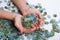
(34, 26)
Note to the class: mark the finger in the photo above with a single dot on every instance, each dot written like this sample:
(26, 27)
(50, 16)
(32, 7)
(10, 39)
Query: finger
(29, 30)
(39, 14)
(40, 20)
(20, 29)
(35, 24)
(32, 29)
(32, 25)
(18, 25)
(38, 25)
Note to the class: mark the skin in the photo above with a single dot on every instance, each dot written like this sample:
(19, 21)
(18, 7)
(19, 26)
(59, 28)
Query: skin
(21, 4)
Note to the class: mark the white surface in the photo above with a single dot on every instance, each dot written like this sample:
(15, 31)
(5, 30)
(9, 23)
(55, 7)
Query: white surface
(52, 7)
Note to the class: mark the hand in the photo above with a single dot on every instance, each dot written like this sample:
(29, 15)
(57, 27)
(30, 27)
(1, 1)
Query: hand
(30, 10)
(20, 27)
(35, 12)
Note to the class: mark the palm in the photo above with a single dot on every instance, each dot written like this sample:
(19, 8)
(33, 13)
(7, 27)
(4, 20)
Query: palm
(20, 27)
(35, 12)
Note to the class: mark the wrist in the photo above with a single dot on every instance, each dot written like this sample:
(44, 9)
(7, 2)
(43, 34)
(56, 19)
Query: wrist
(25, 10)
(16, 15)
